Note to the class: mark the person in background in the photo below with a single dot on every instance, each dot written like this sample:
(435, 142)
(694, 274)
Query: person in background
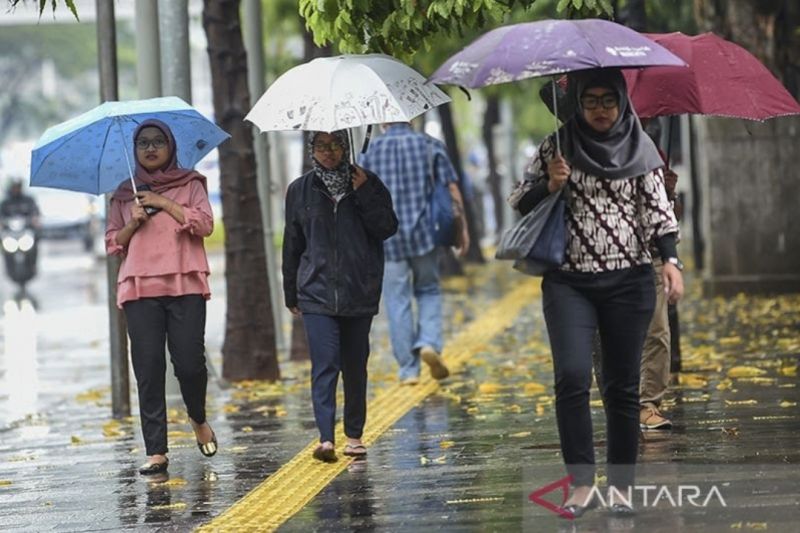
(163, 284)
(18, 204)
(337, 217)
(408, 161)
(655, 371)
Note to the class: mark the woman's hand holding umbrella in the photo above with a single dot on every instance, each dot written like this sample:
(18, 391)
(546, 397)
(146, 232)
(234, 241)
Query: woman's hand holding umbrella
(558, 170)
(359, 177)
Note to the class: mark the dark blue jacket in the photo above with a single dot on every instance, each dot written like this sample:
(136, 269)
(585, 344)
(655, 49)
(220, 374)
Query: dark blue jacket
(333, 253)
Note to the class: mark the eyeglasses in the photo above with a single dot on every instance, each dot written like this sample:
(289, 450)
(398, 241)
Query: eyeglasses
(158, 144)
(327, 147)
(591, 102)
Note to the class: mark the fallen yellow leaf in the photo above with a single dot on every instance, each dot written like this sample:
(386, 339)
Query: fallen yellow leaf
(5, 482)
(112, 429)
(693, 381)
(247, 429)
(790, 371)
(741, 402)
(75, 440)
(446, 444)
(520, 435)
(787, 403)
(489, 388)
(745, 372)
(168, 507)
(174, 482)
(533, 388)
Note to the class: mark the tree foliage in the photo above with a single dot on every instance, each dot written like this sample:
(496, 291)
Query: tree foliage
(402, 27)
(42, 4)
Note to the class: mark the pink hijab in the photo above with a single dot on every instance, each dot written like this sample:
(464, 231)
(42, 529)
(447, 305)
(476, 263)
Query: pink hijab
(167, 177)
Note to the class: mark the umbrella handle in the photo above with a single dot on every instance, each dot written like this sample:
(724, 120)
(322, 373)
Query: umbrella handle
(555, 116)
(128, 163)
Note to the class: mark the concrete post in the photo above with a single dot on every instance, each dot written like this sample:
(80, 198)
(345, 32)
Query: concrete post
(173, 24)
(118, 339)
(148, 49)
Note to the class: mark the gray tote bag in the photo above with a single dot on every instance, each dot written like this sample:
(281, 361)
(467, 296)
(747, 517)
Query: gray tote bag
(517, 242)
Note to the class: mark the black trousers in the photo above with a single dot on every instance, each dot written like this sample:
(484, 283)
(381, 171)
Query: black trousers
(620, 305)
(180, 323)
(338, 344)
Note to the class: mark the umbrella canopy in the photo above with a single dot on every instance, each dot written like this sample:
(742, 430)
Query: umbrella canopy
(547, 47)
(93, 152)
(723, 79)
(334, 93)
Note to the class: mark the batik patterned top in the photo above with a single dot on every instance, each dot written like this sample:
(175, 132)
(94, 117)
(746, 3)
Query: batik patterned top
(609, 222)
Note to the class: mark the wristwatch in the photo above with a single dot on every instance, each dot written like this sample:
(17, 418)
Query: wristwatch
(675, 261)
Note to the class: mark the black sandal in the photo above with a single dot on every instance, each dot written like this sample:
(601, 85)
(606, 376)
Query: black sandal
(149, 469)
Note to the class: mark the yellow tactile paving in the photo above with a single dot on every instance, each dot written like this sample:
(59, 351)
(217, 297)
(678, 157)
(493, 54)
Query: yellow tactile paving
(296, 483)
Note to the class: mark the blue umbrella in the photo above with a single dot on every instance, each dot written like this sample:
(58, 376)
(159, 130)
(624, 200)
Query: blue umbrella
(93, 152)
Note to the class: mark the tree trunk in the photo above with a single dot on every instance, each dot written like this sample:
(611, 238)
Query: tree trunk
(249, 348)
(474, 254)
(491, 117)
(748, 170)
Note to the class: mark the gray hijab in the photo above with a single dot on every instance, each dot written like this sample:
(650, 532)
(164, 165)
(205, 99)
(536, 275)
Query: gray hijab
(338, 180)
(624, 151)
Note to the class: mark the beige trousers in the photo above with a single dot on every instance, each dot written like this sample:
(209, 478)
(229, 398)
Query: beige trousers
(654, 374)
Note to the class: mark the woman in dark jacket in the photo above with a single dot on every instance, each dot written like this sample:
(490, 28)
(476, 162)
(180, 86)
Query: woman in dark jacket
(617, 205)
(337, 217)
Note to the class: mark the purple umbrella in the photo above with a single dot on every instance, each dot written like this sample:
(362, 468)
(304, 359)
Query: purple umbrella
(549, 47)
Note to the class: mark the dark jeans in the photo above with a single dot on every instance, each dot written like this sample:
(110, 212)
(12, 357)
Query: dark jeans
(338, 344)
(180, 322)
(620, 304)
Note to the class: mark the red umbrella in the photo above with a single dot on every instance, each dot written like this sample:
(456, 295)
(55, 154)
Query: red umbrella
(722, 79)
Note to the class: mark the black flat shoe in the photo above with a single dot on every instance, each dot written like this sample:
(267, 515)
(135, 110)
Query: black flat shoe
(578, 511)
(149, 469)
(620, 509)
(209, 449)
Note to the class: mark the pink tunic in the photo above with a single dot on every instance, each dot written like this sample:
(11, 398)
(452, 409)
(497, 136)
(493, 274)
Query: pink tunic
(164, 257)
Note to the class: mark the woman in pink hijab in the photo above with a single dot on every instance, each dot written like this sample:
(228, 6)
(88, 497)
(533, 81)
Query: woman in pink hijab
(163, 284)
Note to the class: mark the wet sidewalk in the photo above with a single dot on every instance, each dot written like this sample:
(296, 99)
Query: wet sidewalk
(465, 458)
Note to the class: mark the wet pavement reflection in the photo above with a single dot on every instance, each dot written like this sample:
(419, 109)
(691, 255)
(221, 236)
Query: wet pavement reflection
(465, 459)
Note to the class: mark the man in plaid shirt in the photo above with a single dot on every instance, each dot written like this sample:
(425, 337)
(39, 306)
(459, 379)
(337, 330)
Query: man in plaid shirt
(403, 159)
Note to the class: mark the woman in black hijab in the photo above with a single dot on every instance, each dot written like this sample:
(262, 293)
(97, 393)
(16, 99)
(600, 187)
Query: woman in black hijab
(616, 205)
(337, 217)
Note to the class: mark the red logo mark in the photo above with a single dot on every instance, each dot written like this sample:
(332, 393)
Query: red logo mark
(536, 497)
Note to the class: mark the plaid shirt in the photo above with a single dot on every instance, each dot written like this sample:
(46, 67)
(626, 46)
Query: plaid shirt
(401, 158)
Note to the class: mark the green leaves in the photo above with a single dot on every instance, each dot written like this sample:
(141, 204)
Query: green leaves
(403, 27)
(53, 3)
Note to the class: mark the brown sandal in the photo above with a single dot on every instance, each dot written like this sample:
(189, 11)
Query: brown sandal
(326, 455)
(355, 450)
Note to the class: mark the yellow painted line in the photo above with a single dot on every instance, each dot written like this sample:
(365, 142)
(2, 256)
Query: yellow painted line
(296, 483)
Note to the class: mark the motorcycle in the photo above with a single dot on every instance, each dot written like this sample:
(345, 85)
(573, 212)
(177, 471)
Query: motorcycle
(20, 246)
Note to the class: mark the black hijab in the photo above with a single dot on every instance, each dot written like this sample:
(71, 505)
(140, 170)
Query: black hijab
(624, 151)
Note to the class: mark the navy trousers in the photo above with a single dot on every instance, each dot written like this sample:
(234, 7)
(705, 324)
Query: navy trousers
(338, 344)
(620, 305)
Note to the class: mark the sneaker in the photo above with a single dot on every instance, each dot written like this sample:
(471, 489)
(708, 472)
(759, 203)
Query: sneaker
(434, 361)
(413, 380)
(651, 418)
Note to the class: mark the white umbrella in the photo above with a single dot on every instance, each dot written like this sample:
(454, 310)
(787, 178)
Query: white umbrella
(335, 93)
